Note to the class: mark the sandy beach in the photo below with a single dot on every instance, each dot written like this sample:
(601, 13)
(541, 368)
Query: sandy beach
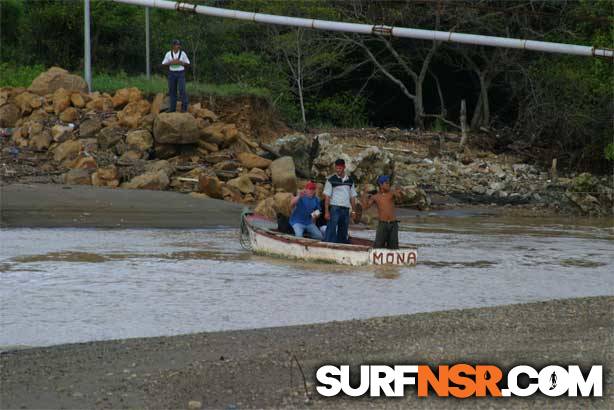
(255, 368)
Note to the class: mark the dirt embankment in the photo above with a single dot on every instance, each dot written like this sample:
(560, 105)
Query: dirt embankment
(258, 368)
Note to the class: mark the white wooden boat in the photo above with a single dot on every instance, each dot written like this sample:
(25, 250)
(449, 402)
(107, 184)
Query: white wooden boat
(260, 234)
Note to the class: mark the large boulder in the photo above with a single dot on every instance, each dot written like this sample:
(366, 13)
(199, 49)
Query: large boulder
(139, 140)
(161, 165)
(210, 185)
(297, 146)
(55, 78)
(283, 174)
(9, 115)
(249, 160)
(176, 128)
(156, 180)
(132, 113)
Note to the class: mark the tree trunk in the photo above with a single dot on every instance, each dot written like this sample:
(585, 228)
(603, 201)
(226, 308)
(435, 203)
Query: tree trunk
(418, 108)
(463, 121)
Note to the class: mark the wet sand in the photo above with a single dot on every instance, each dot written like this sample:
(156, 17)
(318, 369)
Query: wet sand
(254, 368)
(55, 206)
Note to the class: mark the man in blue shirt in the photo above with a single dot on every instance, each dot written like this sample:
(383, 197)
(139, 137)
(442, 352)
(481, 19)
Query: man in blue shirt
(306, 210)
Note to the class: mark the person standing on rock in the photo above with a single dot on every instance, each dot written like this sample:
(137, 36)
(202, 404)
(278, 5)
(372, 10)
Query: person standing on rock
(339, 203)
(177, 60)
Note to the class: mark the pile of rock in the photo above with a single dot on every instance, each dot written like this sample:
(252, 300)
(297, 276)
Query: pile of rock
(124, 140)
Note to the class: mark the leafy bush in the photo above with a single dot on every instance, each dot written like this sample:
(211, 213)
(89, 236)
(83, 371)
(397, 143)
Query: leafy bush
(609, 151)
(22, 76)
(343, 110)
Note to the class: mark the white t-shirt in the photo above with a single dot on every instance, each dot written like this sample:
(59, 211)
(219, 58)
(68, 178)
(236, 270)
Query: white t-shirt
(180, 55)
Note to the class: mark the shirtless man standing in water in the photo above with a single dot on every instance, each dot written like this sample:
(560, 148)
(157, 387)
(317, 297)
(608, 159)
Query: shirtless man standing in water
(387, 234)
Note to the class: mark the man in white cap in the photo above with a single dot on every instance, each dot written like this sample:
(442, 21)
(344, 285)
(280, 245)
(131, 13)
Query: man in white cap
(176, 60)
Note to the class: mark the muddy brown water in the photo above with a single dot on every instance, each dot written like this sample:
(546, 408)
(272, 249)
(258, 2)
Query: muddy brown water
(75, 285)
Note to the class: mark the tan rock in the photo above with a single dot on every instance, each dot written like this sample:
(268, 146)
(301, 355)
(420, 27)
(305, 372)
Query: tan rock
(283, 174)
(109, 137)
(61, 133)
(77, 176)
(67, 150)
(175, 128)
(100, 103)
(209, 146)
(9, 114)
(89, 128)
(55, 78)
(243, 184)
(257, 175)
(220, 133)
(139, 140)
(281, 203)
(28, 101)
(77, 100)
(129, 156)
(69, 115)
(132, 113)
(249, 160)
(40, 141)
(125, 96)
(210, 185)
(38, 115)
(157, 181)
(266, 208)
(231, 193)
(84, 162)
(157, 103)
(61, 100)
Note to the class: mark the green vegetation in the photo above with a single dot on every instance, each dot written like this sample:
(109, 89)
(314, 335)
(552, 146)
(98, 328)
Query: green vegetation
(557, 105)
(158, 84)
(22, 76)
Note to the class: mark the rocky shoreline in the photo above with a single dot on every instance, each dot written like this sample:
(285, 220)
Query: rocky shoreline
(258, 368)
(57, 132)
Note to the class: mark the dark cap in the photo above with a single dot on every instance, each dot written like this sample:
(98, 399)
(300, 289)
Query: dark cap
(176, 42)
(340, 161)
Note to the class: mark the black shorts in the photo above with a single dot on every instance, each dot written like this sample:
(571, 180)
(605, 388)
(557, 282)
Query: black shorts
(387, 235)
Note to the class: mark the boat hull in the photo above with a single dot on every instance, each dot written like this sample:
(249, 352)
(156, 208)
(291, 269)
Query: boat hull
(263, 239)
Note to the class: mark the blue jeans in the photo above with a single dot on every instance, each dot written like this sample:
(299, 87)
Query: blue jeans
(311, 229)
(337, 227)
(176, 79)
